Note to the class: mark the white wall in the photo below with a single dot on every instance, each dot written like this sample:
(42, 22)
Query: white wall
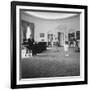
(70, 24)
(5, 45)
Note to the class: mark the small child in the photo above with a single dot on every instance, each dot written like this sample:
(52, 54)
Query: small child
(66, 48)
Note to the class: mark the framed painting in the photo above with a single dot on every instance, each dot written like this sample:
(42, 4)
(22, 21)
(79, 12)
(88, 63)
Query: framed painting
(48, 44)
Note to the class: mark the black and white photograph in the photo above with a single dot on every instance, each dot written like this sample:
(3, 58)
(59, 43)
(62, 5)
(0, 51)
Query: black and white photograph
(50, 44)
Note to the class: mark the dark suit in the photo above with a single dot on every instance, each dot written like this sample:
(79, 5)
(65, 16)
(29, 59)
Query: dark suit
(30, 43)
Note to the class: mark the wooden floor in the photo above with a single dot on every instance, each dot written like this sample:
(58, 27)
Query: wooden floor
(51, 63)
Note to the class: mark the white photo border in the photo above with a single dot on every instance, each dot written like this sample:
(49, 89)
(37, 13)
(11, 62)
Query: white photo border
(54, 79)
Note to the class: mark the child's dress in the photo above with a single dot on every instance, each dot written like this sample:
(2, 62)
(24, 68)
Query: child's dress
(66, 49)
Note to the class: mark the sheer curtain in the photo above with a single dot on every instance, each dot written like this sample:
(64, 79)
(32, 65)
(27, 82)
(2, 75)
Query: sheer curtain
(28, 33)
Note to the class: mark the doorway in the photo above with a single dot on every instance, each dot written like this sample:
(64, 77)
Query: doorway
(61, 39)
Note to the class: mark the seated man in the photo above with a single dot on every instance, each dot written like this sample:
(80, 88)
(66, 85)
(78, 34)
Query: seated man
(31, 45)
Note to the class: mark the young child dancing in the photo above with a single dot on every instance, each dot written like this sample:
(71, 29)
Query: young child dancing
(66, 48)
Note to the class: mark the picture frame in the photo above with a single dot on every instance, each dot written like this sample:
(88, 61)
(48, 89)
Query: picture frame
(16, 79)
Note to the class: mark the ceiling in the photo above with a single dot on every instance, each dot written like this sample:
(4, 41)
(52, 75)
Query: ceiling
(50, 15)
